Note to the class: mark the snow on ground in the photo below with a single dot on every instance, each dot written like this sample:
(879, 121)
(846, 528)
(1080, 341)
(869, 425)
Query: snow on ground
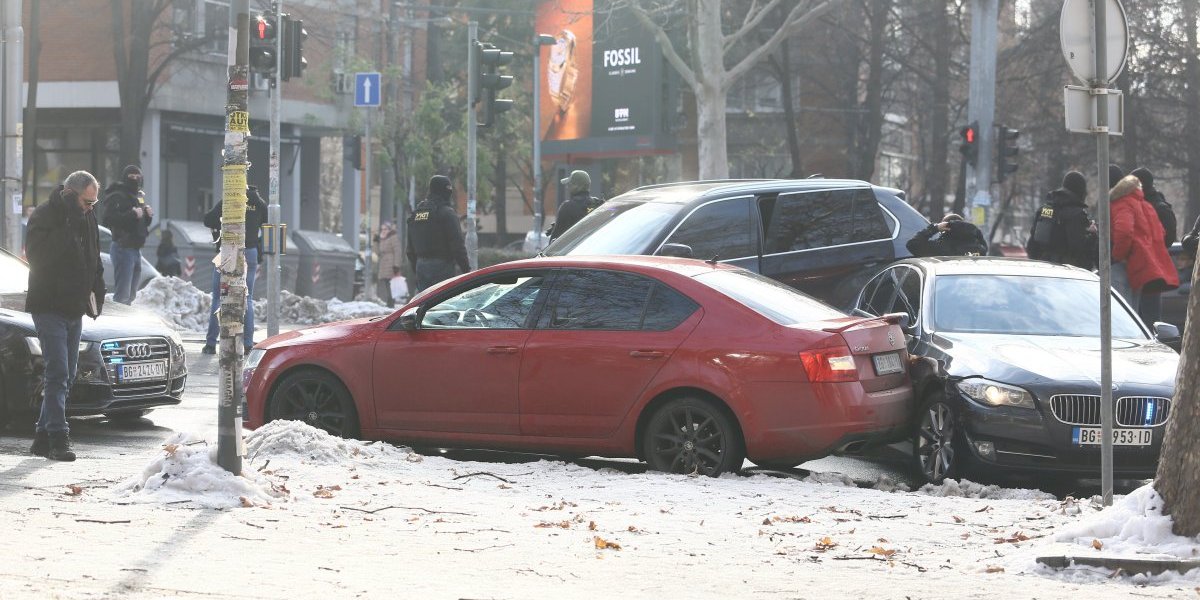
(341, 518)
(186, 308)
(1134, 525)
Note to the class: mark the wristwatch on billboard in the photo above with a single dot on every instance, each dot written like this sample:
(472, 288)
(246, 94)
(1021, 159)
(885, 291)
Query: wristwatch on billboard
(561, 72)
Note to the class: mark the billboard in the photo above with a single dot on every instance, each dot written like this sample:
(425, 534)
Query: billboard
(604, 82)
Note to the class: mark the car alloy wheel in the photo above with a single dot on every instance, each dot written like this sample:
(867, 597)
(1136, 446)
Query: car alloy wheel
(692, 437)
(934, 441)
(318, 399)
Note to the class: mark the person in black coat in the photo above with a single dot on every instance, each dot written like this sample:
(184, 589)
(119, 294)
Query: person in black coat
(1063, 232)
(256, 215)
(580, 203)
(66, 281)
(128, 217)
(952, 236)
(168, 256)
(435, 240)
(1166, 214)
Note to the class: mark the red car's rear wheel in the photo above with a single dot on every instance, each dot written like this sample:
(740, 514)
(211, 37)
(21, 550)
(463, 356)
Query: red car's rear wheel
(692, 436)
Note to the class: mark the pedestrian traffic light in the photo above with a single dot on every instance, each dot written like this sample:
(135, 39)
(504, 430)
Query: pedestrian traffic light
(970, 143)
(352, 151)
(489, 81)
(294, 36)
(1006, 152)
(262, 44)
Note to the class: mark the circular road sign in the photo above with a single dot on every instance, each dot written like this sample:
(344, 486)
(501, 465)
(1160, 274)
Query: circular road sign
(1076, 29)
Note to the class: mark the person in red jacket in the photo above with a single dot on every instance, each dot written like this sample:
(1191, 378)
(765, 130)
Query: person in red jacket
(1141, 263)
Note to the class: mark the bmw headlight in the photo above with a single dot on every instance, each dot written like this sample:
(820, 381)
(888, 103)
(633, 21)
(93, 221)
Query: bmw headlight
(994, 393)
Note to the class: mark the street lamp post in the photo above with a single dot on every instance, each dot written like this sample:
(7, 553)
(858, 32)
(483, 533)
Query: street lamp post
(539, 205)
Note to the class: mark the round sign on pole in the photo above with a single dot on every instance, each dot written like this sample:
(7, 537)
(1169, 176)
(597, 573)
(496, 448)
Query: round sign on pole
(1075, 28)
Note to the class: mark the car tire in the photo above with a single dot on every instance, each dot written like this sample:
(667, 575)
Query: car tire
(691, 436)
(317, 398)
(938, 449)
(127, 415)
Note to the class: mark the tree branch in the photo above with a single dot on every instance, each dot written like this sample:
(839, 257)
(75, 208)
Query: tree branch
(799, 16)
(753, 20)
(664, 42)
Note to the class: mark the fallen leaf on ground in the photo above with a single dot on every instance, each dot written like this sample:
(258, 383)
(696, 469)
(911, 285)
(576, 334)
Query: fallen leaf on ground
(878, 551)
(995, 569)
(321, 492)
(792, 519)
(591, 525)
(633, 529)
(602, 544)
(1097, 544)
(549, 524)
(824, 544)
(74, 490)
(170, 449)
(958, 519)
(1013, 539)
(246, 503)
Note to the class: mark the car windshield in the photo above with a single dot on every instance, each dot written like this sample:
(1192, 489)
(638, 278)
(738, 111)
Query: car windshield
(615, 228)
(768, 297)
(14, 275)
(1024, 305)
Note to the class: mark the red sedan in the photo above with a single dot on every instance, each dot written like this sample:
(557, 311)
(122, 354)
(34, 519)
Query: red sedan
(688, 365)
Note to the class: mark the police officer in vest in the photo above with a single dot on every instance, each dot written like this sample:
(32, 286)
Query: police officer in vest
(1062, 230)
(435, 240)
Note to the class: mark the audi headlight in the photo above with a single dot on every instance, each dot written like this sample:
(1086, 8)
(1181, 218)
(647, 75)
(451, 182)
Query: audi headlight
(35, 346)
(994, 393)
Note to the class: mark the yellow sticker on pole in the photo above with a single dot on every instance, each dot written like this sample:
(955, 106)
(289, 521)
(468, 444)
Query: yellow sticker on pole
(239, 120)
(233, 194)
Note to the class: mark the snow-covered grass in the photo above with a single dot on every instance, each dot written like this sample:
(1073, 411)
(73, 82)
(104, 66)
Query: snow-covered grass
(1134, 525)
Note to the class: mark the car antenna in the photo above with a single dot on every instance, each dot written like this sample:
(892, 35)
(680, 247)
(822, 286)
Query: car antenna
(713, 261)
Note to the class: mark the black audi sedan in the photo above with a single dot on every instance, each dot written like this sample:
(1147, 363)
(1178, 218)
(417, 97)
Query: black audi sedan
(1006, 368)
(130, 362)
(824, 237)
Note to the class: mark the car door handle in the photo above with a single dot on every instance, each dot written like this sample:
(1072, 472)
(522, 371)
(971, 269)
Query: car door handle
(646, 354)
(502, 350)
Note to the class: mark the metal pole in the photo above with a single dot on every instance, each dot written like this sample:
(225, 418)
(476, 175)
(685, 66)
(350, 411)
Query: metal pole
(1099, 87)
(368, 288)
(273, 211)
(10, 204)
(231, 262)
(472, 124)
(981, 106)
(539, 200)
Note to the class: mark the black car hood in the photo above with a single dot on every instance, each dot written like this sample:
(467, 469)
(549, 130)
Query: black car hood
(116, 321)
(1031, 359)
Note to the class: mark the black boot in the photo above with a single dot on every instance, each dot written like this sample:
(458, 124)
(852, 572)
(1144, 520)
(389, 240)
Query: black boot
(60, 447)
(41, 444)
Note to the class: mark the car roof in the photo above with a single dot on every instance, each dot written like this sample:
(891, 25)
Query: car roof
(997, 265)
(687, 191)
(687, 267)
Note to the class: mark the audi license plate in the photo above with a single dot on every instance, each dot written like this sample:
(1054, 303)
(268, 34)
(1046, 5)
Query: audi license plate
(1090, 436)
(142, 370)
(886, 364)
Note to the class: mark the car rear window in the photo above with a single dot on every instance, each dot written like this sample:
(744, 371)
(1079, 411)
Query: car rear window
(769, 298)
(615, 228)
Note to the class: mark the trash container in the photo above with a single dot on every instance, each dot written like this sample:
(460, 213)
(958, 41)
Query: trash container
(326, 265)
(196, 250)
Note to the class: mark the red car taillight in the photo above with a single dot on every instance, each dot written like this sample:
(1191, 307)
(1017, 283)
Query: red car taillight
(825, 365)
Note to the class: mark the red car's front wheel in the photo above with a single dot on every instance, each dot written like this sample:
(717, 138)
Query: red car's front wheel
(316, 398)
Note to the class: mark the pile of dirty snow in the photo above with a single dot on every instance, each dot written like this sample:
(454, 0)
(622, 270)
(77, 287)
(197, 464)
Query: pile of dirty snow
(969, 489)
(343, 311)
(178, 302)
(303, 310)
(1133, 525)
(186, 470)
(307, 444)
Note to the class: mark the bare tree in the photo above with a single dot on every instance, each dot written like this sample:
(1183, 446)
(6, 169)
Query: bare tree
(702, 65)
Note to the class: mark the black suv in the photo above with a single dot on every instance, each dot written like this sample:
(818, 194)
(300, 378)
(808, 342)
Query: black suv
(824, 237)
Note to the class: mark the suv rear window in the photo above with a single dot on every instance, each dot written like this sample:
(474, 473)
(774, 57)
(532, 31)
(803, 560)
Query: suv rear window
(615, 228)
(768, 297)
(820, 219)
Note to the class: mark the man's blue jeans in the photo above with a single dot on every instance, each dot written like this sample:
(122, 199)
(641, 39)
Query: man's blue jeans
(127, 272)
(248, 330)
(59, 338)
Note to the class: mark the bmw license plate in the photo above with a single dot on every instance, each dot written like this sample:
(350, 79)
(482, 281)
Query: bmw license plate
(886, 364)
(141, 371)
(1091, 436)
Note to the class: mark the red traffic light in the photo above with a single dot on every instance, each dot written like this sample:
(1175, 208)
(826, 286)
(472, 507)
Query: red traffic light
(968, 134)
(263, 29)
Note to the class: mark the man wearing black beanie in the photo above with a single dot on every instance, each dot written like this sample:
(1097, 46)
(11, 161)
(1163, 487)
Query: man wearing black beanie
(435, 240)
(128, 217)
(1062, 230)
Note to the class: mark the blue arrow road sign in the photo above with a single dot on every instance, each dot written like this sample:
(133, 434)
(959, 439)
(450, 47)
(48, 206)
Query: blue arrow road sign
(366, 89)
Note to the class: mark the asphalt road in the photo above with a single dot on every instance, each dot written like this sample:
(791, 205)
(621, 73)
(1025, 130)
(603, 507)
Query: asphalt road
(99, 436)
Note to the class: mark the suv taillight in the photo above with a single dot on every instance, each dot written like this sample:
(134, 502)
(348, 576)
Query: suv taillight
(825, 365)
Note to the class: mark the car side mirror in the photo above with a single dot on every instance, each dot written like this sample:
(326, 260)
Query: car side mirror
(408, 320)
(679, 250)
(1166, 332)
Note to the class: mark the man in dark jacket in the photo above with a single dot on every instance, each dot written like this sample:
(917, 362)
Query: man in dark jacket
(578, 205)
(951, 237)
(435, 241)
(1166, 214)
(1062, 231)
(128, 216)
(256, 215)
(66, 281)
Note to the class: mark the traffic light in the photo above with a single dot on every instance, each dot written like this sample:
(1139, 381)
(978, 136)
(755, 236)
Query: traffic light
(489, 81)
(294, 35)
(352, 151)
(1006, 152)
(970, 143)
(262, 44)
